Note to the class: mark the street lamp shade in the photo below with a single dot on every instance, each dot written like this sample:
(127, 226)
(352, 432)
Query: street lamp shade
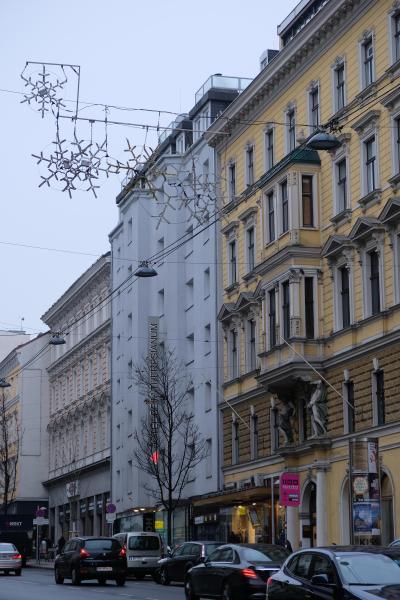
(56, 340)
(145, 270)
(4, 383)
(323, 141)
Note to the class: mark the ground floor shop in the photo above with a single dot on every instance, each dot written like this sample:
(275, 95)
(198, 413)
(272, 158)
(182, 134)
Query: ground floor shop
(153, 519)
(77, 503)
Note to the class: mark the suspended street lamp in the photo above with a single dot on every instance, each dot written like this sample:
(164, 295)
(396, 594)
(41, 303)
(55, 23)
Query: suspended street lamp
(145, 270)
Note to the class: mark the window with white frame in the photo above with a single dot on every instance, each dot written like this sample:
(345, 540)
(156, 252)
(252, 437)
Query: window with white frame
(291, 130)
(307, 200)
(271, 318)
(251, 345)
(396, 265)
(344, 295)
(378, 397)
(309, 309)
(314, 108)
(197, 131)
(374, 281)
(284, 201)
(249, 165)
(254, 436)
(396, 144)
(232, 262)
(395, 34)
(250, 250)
(285, 291)
(233, 354)
(232, 181)
(339, 85)
(270, 216)
(341, 192)
(373, 288)
(180, 144)
(370, 165)
(367, 58)
(269, 149)
(235, 440)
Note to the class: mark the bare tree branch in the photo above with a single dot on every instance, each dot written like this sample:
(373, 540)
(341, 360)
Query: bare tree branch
(10, 439)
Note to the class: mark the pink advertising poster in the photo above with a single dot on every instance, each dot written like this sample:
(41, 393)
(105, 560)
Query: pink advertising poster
(289, 489)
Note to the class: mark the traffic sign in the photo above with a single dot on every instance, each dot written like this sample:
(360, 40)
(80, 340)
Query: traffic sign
(110, 517)
(40, 521)
(111, 508)
(40, 512)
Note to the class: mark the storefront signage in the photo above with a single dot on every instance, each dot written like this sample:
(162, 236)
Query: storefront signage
(72, 488)
(153, 347)
(289, 489)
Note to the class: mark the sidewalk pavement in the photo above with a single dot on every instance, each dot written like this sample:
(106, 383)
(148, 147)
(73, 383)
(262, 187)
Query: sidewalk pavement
(42, 564)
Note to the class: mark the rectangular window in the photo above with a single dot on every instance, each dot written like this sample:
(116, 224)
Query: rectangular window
(314, 108)
(250, 165)
(397, 144)
(396, 37)
(232, 182)
(284, 206)
(351, 424)
(250, 248)
(207, 282)
(374, 282)
(341, 185)
(207, 339)
(380, 397)
(291, 120)
(234, 355)
(307, 200)
(189, 348)
(189, 294)
(345, 295)
(286, 310)
(272, 318)
(309, 306)
(269, 149)
(129, 231)
(207, 396)
(254, 437)
(370, 164)
(339, 87)
(271, 216)
(232, 262)
(368, 56)
(209, 457)
(274, 417)
(235, 442)
(251, 332)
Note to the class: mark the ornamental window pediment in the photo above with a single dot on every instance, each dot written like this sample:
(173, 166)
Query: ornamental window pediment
(230, 229)
(335, 246)
(365, 228)
(390, 214)
(367, 123)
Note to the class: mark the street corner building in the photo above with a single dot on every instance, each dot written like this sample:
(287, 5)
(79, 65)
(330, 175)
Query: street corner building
(310, 314)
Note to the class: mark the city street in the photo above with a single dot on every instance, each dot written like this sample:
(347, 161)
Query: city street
(38, 584)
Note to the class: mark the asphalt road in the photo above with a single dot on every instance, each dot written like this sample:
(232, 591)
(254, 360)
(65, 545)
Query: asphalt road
(38, 584)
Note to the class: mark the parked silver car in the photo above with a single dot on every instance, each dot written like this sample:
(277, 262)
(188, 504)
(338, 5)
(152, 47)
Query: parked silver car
(10, 558)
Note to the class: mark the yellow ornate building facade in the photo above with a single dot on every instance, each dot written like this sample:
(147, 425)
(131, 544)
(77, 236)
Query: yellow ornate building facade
(310, 243)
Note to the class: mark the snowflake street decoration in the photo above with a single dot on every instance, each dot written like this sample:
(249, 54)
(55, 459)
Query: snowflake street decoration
(74, 165)
(135, 163)
(44, 90)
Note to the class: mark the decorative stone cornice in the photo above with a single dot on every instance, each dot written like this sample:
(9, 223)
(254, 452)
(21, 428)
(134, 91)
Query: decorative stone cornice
(367, 122)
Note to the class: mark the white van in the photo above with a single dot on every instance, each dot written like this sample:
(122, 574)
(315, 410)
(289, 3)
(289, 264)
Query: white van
(143, 550)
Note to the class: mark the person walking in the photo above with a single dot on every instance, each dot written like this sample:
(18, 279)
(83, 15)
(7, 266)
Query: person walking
(60, 544)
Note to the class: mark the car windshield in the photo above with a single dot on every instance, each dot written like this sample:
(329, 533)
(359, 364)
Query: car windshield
(101, 545)
(361, 568)
(276, 555)
(7, 548)
(210, 548)
(144, 542)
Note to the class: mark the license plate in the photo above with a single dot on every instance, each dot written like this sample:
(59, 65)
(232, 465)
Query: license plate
(104, 568)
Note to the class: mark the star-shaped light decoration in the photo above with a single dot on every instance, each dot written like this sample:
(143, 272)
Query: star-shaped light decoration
(44, 89)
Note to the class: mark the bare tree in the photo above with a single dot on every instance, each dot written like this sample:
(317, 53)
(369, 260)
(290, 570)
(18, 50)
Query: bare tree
(9, 453)
(169, 445)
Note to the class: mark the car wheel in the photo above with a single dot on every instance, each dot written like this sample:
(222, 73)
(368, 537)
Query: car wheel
(76, 580)
(18, 571)
(227, 592)
(156, 576)
(189, 591)
(164, 579)
(120, 581)
(102, 580)
(58, 577)
(139, 576)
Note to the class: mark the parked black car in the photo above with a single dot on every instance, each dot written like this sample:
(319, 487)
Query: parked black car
(183, 558)
(235, 572)
(350, 572)
(98, 558)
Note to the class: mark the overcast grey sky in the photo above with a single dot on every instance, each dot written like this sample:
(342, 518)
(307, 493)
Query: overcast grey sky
(154, 54)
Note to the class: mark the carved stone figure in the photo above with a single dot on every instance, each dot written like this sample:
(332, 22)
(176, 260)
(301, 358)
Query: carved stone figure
(286, 414)
(318, 408)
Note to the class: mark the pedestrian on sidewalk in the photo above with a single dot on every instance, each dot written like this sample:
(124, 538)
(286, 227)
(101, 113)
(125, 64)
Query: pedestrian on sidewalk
(60, 544)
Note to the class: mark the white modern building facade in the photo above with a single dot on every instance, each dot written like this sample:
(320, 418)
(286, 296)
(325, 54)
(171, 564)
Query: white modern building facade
(78, 471)
(173, 197)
